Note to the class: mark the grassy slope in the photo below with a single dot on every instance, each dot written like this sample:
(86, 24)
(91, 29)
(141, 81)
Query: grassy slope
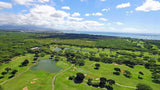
(105, 70)
(43, 82)
(62, 82)
(14, 65)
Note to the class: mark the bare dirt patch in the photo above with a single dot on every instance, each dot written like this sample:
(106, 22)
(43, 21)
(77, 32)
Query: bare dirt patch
(32, 82)
(25, 88)
(85, 74)
(35, 79)
(97, 78)
(122, 71)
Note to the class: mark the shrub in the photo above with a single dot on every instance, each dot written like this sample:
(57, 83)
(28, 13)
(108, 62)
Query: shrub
(14, 71)
(102, 82)
(1, 77)
(11, 76)
(143, 87)
(71, 77)
(140, 77)
(79, 78)
(127, 74)
(7, 69)
(24, 63)
(117, 69)
(116, 73)
(110, 81)
(3, 73)
(141, 73)
(89, 81)
(109, 87)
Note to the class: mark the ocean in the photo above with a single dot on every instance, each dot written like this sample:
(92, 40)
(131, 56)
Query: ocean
(128, 35)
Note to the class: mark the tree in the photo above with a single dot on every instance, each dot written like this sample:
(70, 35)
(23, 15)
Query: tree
(102, 82)
(116, 73)
(127, 74)
(1, 87)
(7, 69)
(158, 59)
(3, 73)
(79, 78)
(25, 63)
(57, 58)
(89, 81)
(42, 54)
(117, 69)
(141, 73)
(71, 77)
(14, 71)
(97, 66)
(110, 81)
(143, 87)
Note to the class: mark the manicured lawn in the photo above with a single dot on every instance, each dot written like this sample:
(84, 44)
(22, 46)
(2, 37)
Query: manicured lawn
(44, 79)
(105, 70)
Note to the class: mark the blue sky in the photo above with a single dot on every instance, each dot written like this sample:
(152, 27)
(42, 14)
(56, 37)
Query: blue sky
(133, 16)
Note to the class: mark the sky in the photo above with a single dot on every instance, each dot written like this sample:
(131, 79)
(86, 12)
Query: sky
(127, 16)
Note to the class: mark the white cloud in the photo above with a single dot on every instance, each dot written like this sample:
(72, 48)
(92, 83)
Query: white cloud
(87, 14)
(123, 5)
(48, 17)
(103, 19)
(105, 9)
(97, 14)
(5, 5)
(103, 0)
(29, 2)
(119, 23)
(129, 12)
(149, 5)
(43, 1)
(83, 0)
(75, 19)
(76, 14)
(24, 2)
(66, 7)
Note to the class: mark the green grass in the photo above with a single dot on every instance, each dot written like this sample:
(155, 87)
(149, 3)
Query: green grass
(44, 81)
(106, 70)
(14, 65)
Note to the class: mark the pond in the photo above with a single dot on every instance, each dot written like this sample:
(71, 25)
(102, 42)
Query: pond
(46, 65)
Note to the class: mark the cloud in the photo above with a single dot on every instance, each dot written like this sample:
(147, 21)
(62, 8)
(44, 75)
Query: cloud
(29, 2)
(149, 5)
(48, 17)
(83, 0)
(103, 0)
(105, 9)
(119, 23)
(97, 14)
(94, 14)
(66, 7)
(103, 19)
(87, 14)
(129, 12)
(5, 5)
(43, 1)
(123, 5)
(76, 14)
(75, 19)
